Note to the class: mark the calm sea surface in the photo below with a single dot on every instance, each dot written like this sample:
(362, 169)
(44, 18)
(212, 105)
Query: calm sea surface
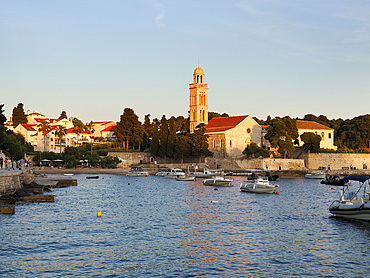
(155, 227)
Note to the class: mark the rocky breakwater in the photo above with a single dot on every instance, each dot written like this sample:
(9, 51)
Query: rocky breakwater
(26, 186)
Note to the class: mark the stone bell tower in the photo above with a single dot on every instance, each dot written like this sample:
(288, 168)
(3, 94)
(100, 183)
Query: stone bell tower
(198, 100)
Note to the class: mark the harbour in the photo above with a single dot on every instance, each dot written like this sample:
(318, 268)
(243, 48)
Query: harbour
(157, 227)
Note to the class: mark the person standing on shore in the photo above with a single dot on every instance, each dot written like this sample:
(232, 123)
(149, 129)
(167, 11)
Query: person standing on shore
(1, 162)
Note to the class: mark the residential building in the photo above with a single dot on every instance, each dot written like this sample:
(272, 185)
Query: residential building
(326, 133)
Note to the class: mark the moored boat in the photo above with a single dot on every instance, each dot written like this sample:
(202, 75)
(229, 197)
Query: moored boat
(175, 173)
(163, 172)
(185, 178)
(353, 204)
(92, 177)
(207, 173)
(137, 172)
(334, 180)
(318, 175)
(218, 181)
(260, 185)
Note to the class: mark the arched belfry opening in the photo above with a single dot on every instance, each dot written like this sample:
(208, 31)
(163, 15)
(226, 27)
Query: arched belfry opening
(198, 99)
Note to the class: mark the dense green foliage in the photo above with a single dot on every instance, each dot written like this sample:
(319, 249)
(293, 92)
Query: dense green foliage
(351, 133)
(129, 131)
(311, 141)
(282, 133)
(18, 115)
(253, 150)
(63, 115)
(212, 115)
(12, 145)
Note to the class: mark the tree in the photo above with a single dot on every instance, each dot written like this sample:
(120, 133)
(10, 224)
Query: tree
(171, 139)
(163, 137)
(154, 148)
(282, 133)
(253, 150)
(199, 141)
(63, 115)
(148, 127)
(89, 128)
(60, 131)
(311, 141)
(129, 129)
(44, 127)
(18, 115)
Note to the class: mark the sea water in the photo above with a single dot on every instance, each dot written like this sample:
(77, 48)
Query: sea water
(157, 227)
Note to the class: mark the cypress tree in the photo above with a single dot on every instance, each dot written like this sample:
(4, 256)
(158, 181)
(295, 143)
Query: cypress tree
(18, 115)
(154, 149)
(171, 141)
(163, 137)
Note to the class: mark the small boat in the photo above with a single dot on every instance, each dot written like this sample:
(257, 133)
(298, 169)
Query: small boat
(252, 174)
(163, 172)
(92, 177)
(137, 172)
(353, 204)
(68, 174)
(318, 175)
(186, 178)
(334, 180)
(207, 173)
(260, 185)
(218, 181)
(175, 173)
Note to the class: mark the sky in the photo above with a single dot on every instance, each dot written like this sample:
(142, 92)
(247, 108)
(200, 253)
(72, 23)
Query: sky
(94, 58)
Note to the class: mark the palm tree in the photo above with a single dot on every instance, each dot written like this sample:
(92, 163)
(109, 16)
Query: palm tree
(44, 127)
(60, 131)
(78, 129)
(89, 128)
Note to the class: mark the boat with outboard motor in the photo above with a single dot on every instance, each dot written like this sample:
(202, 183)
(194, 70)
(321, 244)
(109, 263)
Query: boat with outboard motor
(207, 173)
(137, 172)
(318, 175)
(175, 173)
(218, 181)
(353, 204)
(259, 185)
(334, 180)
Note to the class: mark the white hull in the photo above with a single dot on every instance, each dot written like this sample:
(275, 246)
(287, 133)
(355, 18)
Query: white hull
(137, 174)
(186, 178)
(259, 186)
(315, 176)
(217, 182)
(353, 211)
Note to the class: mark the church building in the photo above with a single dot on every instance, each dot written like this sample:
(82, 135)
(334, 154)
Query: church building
(228, 136)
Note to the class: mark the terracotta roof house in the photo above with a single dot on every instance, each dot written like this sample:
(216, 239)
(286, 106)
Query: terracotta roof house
(326, 133)
(229, 136)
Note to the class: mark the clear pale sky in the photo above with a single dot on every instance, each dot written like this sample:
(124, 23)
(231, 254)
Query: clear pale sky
(260, 57)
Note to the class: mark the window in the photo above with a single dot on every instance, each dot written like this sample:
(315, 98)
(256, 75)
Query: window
(221, 143)
(329, 135)
(214, 144)
(231, 145)
(248, 130)
(322, 135)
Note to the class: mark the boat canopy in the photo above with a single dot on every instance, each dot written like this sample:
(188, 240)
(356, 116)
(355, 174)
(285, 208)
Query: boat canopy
(361, 178)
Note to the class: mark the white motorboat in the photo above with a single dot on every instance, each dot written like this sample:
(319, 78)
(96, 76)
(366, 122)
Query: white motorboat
(318, 175)
(259, 185)
(137, 172)
(353, 204)
(218, 181)
(175, 173)
(163, 172)
(185, 178)
(207, 173)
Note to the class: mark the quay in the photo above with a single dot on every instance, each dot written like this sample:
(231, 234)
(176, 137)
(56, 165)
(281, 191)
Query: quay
(27, 186)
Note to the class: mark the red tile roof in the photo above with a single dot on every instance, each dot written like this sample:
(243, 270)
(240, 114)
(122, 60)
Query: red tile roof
(311, 125)
(29, 127)
(223, 124)
(110, 128)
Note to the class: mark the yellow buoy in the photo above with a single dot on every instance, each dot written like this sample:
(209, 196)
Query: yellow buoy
(99, 213)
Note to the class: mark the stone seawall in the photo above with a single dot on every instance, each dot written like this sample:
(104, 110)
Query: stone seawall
(338, 161)
(9, 182)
